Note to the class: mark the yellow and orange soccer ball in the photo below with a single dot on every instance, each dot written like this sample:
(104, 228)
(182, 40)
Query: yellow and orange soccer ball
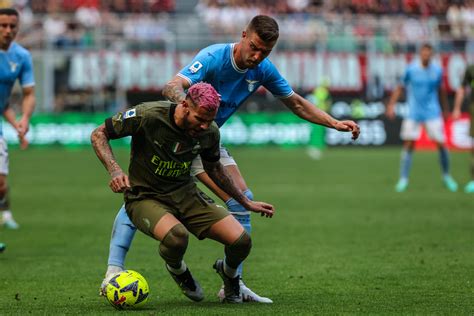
(127, 289)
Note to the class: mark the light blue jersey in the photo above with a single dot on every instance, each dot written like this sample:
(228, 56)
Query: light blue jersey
(422, 86)
(215, 64)
(15, 63)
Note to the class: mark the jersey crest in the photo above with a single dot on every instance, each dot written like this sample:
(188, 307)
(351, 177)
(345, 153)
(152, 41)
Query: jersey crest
(251, 84)
(13, 66)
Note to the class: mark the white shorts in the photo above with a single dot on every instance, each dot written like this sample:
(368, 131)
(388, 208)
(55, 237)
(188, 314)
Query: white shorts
(411, 130)
(226, 160)
(3, 156)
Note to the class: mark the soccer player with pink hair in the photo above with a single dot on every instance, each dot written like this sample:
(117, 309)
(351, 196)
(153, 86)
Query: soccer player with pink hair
(161, 198)
(235, 70)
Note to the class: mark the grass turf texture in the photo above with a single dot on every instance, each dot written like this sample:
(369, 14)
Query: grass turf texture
(342, 240)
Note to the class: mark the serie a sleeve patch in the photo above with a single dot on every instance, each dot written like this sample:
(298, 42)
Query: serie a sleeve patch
(130, 113)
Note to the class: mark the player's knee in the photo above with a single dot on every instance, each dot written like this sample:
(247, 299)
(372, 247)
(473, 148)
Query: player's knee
(177, 238)
(239, 250)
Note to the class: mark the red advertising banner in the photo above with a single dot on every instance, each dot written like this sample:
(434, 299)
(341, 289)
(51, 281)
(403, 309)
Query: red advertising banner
(457, 135)
(345, 72)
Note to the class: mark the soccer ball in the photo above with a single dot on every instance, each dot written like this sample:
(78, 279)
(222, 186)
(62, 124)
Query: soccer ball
(127, 289)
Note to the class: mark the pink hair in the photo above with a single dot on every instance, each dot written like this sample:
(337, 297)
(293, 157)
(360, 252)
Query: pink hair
(204, 95)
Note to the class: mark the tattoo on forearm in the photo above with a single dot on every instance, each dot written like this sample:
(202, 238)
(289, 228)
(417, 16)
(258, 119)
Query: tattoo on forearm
(102, 148)
(174, 92)
(220, 177)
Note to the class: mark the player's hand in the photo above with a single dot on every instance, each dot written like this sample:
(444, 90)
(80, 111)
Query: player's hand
(456, 114)
(263, 208)
(23, 142)
(119, 182)
(390, 112)
(348, 126)
(23, 127)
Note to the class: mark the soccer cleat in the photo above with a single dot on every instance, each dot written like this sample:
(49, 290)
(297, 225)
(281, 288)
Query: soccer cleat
(469, 188)
(450, 184)
(232, 292)
(2, 247)
(248, 296)
(109, 274)
(402, 185)
(10, 224)
(188, 285)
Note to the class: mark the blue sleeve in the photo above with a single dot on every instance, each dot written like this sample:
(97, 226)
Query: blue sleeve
(200, 67)
(27, 77)
(275, 83)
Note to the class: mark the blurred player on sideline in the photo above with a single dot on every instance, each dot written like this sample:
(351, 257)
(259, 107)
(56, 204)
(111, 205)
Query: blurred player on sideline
(235, 70)
(423, 83)
(15, 63)
(161, 197)
(468, 81)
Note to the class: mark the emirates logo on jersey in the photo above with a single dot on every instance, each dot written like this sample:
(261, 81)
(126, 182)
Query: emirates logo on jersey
(251, 84)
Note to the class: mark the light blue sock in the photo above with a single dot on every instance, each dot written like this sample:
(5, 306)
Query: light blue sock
(242, 215)
(122, 236)
(405, 163)
(444, 161)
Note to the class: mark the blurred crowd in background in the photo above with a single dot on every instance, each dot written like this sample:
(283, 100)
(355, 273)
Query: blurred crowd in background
(335, 24)
(61, 28)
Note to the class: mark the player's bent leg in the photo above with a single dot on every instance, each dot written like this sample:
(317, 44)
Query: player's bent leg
(172, 249)
(243, 217)
(123, 232)
(237, 247)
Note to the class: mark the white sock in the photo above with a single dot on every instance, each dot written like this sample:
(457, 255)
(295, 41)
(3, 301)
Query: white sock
(178, 271)
(7, 215)
(230, 272)
(111, 270)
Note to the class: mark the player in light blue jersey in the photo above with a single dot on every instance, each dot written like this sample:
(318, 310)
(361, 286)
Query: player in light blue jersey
(235, 70)
(423, 84)
(15, 63)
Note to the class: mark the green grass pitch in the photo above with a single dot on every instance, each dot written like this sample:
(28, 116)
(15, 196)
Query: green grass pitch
(342, 241)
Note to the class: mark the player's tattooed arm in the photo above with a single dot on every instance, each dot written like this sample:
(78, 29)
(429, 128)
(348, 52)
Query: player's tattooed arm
(222, 179)
(101, 145)
(174, 89)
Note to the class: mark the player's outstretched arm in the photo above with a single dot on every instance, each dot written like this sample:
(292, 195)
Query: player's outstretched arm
(307, 111)
(101, 145)
(222, 179)
(174, 89)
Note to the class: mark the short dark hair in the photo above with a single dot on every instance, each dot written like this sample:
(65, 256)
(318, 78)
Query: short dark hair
(266, 28)
(9, 11)
(427, 45)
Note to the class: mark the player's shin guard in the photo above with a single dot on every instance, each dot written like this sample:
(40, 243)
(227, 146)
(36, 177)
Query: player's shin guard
(122, 236)
(236, 253)
(173, 246)
(242, 215)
